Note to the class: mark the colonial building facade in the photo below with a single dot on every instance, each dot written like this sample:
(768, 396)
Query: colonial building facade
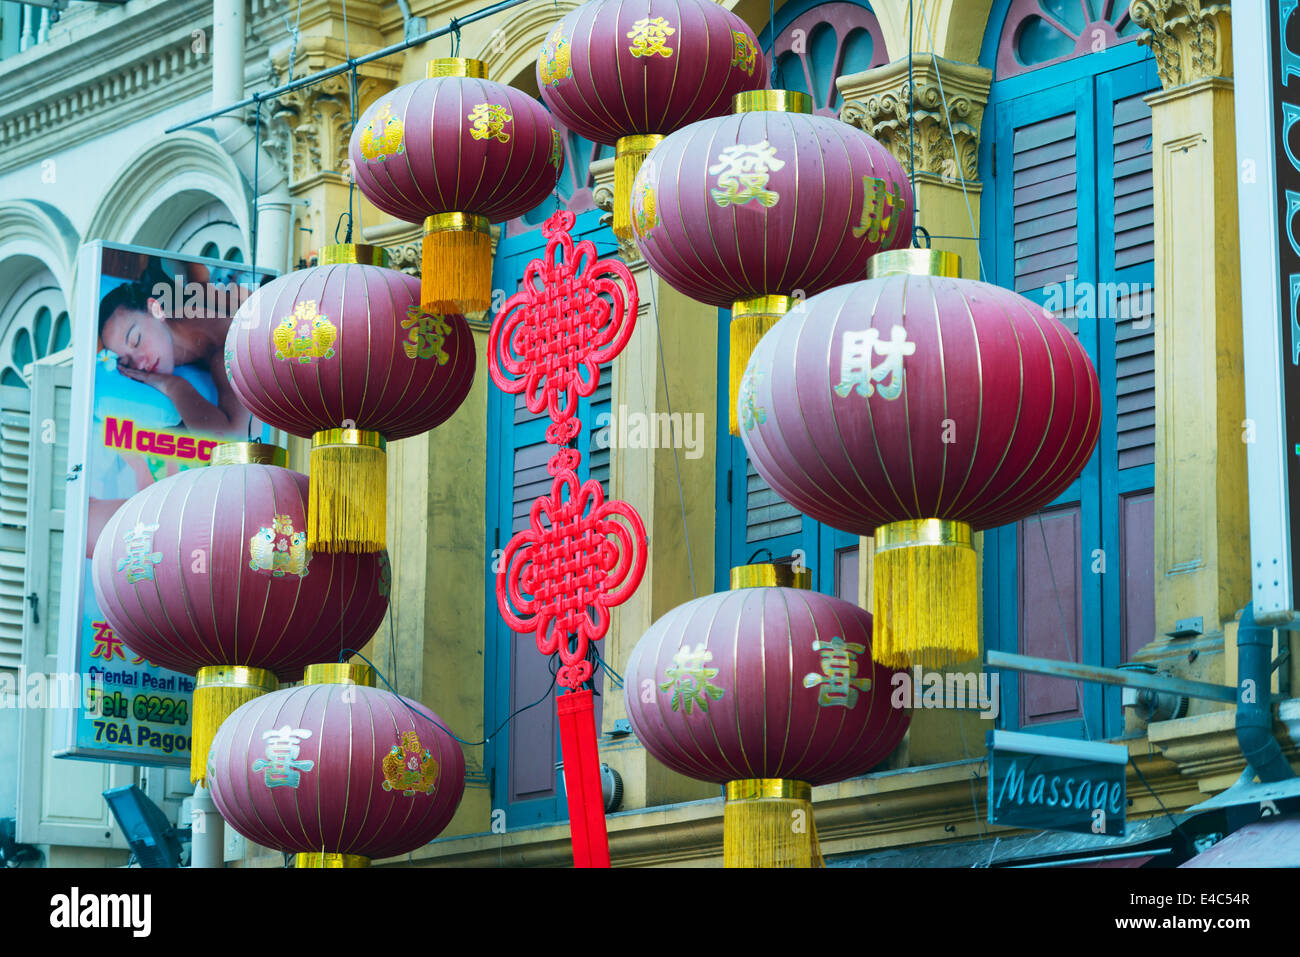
(1081, 152)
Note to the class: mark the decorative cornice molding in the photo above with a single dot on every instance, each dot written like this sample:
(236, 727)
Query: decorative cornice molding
(878, 101)
(318, 117)
(1206, 747)
(1191, 39)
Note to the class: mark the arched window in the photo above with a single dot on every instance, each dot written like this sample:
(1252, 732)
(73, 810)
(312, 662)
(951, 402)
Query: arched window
(1038, 33)
(33, 324)
(209, 231)
(817, 42)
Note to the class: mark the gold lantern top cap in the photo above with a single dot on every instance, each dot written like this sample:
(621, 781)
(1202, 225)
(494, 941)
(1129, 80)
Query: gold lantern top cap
(914, 262)
(249, 453)
(456, 66)
(773, 101)
(770, 575)
(352, 253)
(339, 673)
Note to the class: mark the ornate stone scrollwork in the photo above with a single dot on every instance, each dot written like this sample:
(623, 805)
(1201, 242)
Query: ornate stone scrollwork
(945, 113)
(1191, 39)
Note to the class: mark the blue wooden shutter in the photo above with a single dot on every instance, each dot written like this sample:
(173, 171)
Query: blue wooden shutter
(1074, 197)
(521, 759)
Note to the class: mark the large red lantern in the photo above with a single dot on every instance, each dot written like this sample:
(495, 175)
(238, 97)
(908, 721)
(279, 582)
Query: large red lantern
(769, 690)
(920, 408)
(345, 354)
(757, 210)
(627, 72)
(208, 572)
(337, 771)
(456, 152)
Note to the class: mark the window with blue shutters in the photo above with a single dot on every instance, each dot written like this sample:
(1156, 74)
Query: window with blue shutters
(521, 760)
(1068, 221)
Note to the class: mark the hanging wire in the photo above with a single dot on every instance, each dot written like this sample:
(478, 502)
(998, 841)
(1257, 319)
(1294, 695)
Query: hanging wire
(295, 33)
(771, 33)
(257, 155)
(427, 717)
(352, 112)
(668, 403)
(952, 136)
(911, 113)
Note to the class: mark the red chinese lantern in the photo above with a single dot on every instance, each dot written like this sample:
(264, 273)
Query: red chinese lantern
(345, 354)
(208, 572)
(337, 771)
(456, 152)
(770, 691)
(757, 210)
(626, 73)
(920, 408)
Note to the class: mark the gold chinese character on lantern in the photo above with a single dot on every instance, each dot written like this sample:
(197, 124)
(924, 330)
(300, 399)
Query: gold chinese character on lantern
(557, 149)
(645, 214)
(743, 52)
(649, 36)
(858, 372)
(743, 173)
(488, 120)
(838, 681)
(553, 63)
(427, 336)
(409, 767)
(382, 136)
(305, 336)
(882, 207)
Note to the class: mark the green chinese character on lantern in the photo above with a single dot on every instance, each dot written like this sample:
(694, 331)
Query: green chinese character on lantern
(838, 680)
(688, 679)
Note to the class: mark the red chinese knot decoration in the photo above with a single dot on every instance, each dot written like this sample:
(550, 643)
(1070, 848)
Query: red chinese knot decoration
(581, 554)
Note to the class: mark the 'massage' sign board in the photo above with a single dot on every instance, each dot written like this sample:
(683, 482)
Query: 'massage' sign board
(1057, 784)
(1266, 55)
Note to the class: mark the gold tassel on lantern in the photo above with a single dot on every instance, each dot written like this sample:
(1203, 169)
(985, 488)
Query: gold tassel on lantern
(218, 691)
(347, 508)
(925, 594)
(750, 320)
(629, 153)
(924, 580)
(456, 264)
(768, 822)
(335, 673)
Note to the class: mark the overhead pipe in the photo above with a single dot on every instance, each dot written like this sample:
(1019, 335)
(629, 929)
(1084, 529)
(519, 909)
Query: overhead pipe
(1254, 701)
(273, 206)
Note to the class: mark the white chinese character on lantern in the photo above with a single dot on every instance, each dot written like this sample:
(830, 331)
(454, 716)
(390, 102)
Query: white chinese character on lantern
(857, 371)
(280, 764)
(838, 680)
(139, 561)
(743, 172)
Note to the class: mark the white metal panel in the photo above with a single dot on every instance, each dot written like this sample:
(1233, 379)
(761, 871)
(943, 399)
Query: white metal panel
(1262, 316)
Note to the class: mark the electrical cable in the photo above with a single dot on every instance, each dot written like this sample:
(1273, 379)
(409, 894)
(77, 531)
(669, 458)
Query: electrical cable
(428, 717)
